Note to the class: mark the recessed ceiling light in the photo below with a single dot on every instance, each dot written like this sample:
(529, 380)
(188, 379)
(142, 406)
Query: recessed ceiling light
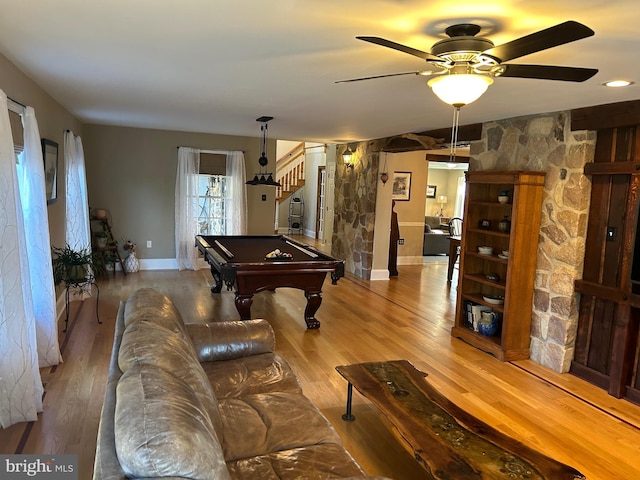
(618, 83)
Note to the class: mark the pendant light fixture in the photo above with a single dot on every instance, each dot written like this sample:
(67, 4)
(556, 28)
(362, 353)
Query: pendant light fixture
(263, 177)
(384, 176)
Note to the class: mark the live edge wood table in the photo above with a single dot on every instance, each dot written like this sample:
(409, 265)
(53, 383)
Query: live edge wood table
(449, 442)
(240, 262)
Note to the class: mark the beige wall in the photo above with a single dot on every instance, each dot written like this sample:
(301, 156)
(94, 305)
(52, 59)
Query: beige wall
(132, 172)
(411, 213)
(53, 120)
(439, 178)
(447, 183)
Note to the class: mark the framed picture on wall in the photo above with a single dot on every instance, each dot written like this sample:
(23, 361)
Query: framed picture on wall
(431, 191)
(50, 157)
(401, 186)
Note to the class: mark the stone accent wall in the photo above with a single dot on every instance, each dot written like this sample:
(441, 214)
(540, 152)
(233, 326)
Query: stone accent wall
(546, 143)
(354, 210)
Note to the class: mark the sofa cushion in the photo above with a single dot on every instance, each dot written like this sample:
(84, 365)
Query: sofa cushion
(149, 305)
(269, 422)
(263, 373)
(228, 340)
(315, 462)
(162, 429)
(432, 221)
(150, 343)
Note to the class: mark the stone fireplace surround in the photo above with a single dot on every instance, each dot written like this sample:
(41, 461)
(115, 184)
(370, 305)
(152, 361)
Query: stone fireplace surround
(541, 142)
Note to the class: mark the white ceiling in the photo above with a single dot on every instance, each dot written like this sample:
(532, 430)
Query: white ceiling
(215, 66)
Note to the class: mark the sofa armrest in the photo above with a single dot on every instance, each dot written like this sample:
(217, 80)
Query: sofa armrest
(228, 340)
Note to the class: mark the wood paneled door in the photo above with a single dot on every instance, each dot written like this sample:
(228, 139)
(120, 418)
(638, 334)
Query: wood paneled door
(607, 351)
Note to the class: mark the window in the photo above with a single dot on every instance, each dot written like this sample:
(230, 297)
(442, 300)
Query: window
(212, 193)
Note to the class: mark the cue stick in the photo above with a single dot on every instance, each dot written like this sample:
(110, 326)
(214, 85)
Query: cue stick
(311, 254)
(224, 249)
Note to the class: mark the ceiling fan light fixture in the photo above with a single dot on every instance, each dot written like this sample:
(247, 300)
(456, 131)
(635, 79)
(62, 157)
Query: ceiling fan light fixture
(460, 89)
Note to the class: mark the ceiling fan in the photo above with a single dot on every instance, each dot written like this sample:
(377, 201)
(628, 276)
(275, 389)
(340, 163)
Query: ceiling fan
(465, 57)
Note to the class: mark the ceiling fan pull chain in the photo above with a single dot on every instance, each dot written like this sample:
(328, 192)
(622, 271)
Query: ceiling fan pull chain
(454, 134)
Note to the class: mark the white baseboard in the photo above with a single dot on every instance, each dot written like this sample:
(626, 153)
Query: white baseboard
(380, 274)
(158, 264)
(410, 260)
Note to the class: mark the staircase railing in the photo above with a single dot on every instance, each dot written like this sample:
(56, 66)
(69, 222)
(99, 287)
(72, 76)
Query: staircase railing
(290, 172)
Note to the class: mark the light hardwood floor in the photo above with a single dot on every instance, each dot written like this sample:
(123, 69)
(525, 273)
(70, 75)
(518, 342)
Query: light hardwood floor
(408, 317)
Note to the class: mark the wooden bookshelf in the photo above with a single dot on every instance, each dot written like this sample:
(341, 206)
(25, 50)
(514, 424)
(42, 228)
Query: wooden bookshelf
(516, 271)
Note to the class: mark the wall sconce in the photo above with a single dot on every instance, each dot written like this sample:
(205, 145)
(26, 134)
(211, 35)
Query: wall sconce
(347, 157)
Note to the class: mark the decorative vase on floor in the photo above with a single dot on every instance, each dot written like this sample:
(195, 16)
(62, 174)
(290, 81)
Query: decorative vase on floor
(131, 263)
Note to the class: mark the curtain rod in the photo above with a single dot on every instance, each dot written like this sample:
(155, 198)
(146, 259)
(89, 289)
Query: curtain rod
(16, 107)
(213, 151)
(16, 102)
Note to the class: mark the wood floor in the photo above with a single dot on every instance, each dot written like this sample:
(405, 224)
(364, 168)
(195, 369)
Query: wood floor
(408, 317)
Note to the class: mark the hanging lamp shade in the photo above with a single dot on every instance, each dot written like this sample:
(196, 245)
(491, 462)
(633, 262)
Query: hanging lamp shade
(459, 89)
(263, 177)
(254, 181)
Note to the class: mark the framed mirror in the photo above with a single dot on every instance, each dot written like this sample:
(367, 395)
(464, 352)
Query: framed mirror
(50, 157)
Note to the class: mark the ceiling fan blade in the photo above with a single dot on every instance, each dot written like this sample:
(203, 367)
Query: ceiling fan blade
(548, 72)
(378, 76)
(551, 37)
(402, 48)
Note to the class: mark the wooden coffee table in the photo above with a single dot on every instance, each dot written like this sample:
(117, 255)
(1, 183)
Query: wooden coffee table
(449, 442)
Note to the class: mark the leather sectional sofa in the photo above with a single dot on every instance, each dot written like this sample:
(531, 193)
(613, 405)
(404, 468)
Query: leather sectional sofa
(207, 401)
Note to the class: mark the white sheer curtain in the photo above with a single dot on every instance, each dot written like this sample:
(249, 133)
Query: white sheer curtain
(20, 383)
(460, 193)
(187, 207)
(36, 226)
(77, 233)
(236, 208)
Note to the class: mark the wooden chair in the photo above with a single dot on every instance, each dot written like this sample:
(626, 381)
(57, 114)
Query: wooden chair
(455, 227)
(455, 235)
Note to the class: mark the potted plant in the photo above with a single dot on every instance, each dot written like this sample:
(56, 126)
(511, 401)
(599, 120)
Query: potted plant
(101, 239)
(72, 266)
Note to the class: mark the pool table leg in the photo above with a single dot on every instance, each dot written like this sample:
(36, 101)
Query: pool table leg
(243, 305)
(314, 299)
(217, 281)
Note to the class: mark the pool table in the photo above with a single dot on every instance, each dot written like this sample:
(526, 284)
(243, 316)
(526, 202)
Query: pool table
(241, 262)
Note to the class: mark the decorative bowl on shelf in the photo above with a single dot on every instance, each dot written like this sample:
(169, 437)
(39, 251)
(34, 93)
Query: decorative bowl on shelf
(482, 250)
(493, 299)
(493, 277)
(503, 199)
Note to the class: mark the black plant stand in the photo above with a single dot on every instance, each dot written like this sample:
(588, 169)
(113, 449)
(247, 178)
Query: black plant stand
(81, 284)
